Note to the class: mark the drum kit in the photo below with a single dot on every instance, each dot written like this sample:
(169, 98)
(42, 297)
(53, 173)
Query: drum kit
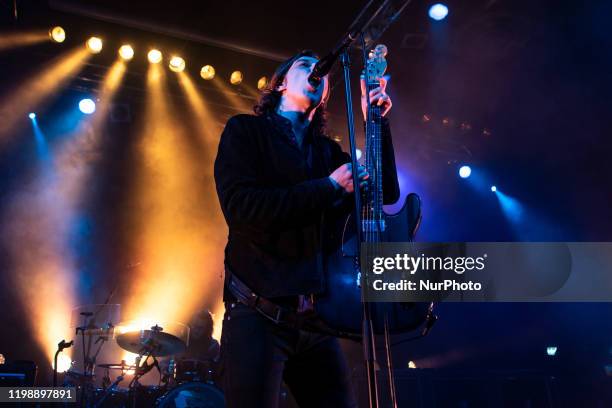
(182, 382)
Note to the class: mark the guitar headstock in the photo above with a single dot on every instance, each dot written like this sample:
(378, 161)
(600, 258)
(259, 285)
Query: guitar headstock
(376, 64)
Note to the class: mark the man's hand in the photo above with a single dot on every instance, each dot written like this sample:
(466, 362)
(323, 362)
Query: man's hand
(343, 176)
(378, 96)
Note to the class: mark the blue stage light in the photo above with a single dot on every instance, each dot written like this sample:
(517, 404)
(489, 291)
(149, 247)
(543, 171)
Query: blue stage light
(465, 171)
(551, 350)
(32, 116)
(493, 188)
(438, 11)
(87, 106)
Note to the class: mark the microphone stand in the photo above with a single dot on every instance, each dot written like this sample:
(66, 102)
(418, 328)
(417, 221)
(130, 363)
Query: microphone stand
(367, 331)
(379, 20)
(60, 347)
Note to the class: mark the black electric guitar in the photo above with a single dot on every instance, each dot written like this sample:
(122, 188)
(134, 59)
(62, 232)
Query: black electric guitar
(340, 307)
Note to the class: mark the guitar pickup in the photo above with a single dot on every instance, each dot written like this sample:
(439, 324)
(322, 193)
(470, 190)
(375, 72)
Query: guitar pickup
(373, 225)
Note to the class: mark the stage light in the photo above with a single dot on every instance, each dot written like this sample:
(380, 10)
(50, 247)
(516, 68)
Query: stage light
(154, 56)
(126, 52)
(64, 363)
(207, 72)
(262, 83)
(87, 106)
(235, 99)
(551, 350)
(438, 11)
(412, 364)
(94, 45)
(493, 188)
(57, 34)
(465, 171)
(32, 115)
(236, 78)
(38, 88)
(177, 64)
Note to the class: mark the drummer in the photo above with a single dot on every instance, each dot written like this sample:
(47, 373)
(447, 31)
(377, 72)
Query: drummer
(202, 346)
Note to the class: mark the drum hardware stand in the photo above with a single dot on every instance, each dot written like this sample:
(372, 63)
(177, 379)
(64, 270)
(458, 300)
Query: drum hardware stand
(146, 352)
(82, 329)
(89, 361)
(109, 390)
(60, 347)
(102, 339)
(106, 382)
(168, 373)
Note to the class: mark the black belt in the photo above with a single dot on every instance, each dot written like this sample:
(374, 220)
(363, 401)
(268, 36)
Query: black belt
(267, 308)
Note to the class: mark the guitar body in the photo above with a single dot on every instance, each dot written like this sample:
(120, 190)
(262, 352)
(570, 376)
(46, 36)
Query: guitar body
(340, 308)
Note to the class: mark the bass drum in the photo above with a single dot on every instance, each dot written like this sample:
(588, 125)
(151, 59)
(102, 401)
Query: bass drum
(193, 395)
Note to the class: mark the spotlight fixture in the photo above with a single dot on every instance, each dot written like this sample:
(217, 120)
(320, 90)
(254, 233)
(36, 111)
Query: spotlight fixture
(438, 12)
(57, 34)
(551, 350)
(94, 45)
(177, 64)
(207, 72)
(126, 52)
(493, 188)
(236, 78)
(465, 171)
(154, 56)
(32, 115)
(262, 83)
(87, 106)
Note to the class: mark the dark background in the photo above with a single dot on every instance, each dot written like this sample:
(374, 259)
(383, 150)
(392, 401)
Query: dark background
(530, 81)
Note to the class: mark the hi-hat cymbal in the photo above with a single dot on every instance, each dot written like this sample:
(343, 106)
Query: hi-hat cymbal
(123, 366)
(154, 342)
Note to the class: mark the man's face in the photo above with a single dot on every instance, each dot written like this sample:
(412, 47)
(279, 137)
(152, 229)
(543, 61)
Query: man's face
(297, 88)
(198, 326)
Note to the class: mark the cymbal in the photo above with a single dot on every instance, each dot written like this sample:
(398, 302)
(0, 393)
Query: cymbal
(154, 342)
(121, 366)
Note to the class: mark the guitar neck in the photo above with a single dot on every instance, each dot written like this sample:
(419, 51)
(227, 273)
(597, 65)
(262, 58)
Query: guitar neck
(373, 215)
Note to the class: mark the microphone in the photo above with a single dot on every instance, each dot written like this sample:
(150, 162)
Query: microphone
(322, 68)
(64, 345)
(325, 65)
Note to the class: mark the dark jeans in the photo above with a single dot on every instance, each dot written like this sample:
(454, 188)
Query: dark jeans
(257, 354)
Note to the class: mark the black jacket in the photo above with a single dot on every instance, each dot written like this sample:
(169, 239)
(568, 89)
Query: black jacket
(275, 197)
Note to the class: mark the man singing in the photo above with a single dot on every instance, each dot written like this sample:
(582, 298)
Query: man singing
(281, 183)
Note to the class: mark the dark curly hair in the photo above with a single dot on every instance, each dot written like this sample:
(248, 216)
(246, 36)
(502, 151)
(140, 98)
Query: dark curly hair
(270, 97)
